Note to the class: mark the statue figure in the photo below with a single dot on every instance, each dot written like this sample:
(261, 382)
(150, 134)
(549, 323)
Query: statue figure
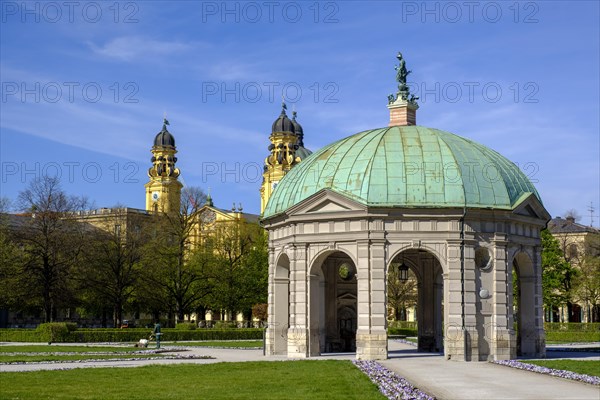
(402, 71)
(403, 89)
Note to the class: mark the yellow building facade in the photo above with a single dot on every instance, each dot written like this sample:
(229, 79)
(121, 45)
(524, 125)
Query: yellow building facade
(163, 191)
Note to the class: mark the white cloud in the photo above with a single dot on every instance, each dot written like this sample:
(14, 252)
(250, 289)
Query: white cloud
(131, 48)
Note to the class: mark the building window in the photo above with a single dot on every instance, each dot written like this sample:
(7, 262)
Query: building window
(573, 250)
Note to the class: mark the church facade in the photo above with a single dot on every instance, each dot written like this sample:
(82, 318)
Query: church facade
(464, 219)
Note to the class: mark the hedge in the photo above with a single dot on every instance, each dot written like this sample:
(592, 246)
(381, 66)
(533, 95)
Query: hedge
(572, 327)
(572, 336)
(403, 332)
(127, 335)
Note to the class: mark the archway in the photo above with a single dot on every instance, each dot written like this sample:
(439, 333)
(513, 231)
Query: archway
(427, 270)
(523, 304)
(280, 321)
(333, 304)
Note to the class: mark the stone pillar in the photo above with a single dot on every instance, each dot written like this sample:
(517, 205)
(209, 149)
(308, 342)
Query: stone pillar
(371, 335)
(271, 320)
(458, 342)
(298, 333)
(502, 334)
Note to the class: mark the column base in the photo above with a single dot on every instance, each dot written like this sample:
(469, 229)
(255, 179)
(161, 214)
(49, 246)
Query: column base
(371, 346)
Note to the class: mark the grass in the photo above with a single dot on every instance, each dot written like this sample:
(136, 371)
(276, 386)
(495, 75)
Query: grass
(40, 353)
(589, 367)
(71, 357)
(218, 343)
(69, 349)
(324, 379)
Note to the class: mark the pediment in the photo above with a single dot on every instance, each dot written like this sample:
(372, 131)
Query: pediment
(530, 206)
(347, 296)
(326, 201)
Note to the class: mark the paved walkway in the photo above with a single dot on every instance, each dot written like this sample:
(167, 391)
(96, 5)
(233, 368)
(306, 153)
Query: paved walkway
(447, 380)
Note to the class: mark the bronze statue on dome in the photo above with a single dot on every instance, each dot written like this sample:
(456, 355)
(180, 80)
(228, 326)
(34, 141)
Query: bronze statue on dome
(403, 89)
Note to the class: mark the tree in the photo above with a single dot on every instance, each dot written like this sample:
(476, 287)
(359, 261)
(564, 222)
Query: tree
(401, 294)
(587, 286)
(12, 293)
(52, 240)
(173, 264)
(558, 274)
(240, 277)
(112, 261)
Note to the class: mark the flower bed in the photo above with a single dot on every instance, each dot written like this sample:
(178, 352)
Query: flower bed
(391, 385)
(593, 380)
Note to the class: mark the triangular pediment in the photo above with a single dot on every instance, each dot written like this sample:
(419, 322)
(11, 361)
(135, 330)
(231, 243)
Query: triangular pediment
(347, 296)
(530, 206)
(325, 201)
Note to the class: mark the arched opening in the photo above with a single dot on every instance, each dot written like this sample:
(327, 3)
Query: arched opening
(333, 304)
(423, 287)
(523, 304)
(280, 321)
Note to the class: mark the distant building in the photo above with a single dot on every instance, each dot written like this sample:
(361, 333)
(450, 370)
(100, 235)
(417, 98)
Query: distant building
(577, 241)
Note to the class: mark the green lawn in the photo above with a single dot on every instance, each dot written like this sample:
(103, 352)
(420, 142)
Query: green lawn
(589, 367)
(326, 379)
(71, 357)
(69, 349)
(219, 343)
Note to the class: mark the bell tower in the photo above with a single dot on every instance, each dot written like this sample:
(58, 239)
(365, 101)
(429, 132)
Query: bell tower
(163, 191)
(282, 157)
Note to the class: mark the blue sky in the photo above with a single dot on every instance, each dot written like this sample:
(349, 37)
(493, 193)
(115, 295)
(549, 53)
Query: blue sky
(85, 86)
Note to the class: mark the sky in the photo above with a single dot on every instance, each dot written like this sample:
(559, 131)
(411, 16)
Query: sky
(85, 87)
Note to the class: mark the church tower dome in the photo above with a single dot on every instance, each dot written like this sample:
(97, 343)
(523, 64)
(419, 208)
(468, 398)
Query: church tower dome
(164, 137)
(163, 191)
(283, 123)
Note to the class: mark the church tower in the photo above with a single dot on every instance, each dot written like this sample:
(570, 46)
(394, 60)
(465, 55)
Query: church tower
(286, 150)
(163, 191)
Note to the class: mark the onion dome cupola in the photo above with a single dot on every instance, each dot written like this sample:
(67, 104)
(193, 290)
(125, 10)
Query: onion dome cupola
(164, 137)
(163, 191)
(283, 123)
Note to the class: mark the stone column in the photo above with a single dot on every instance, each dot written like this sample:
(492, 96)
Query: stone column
(271, 321)
(458, 342)
(298, 343)
(371, 335)
(502, 335)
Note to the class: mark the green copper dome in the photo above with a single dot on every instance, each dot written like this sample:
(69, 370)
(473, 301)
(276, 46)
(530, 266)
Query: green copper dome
(406, 166)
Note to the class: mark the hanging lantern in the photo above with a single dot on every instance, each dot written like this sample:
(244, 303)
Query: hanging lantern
(403, 272)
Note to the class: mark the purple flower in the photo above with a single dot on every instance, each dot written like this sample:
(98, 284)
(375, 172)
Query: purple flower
(391, 385)
(593, 380)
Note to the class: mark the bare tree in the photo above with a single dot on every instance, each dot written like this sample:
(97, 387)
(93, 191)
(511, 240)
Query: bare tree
(112, 261)
(52, 240)
(176, 270)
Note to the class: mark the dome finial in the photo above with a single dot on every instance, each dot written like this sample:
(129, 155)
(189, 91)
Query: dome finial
(402, 105)
(165, 121)
(209, 200)
(283, 105)
(403, 89)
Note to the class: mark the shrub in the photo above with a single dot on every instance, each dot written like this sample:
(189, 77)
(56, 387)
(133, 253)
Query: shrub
(572, 326)
(185, 326)
(225, 325)
(403, 324)
(55, 331)
(572, 336)
(404, 332)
